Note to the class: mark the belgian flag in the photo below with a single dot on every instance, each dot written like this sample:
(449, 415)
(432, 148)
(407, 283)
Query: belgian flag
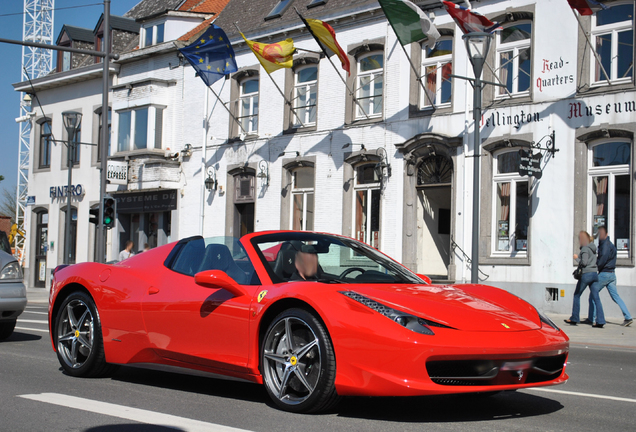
(325, 35)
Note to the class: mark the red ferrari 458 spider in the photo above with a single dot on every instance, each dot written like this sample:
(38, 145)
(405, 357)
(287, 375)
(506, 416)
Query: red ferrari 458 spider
(311, 316)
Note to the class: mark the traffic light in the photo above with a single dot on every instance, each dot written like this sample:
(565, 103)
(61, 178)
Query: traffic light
(94, 215)
(110, 210)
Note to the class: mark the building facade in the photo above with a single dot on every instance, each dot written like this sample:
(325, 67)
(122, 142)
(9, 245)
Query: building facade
(390, 161)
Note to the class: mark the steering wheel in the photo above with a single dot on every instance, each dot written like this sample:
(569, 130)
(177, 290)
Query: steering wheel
(350, 270)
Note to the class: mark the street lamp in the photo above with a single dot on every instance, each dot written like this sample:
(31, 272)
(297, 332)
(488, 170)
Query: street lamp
(72, 122)
(210, 182)
(477, 45)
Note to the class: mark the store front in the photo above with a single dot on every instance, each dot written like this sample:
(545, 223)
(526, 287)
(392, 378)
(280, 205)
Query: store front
(145, 218)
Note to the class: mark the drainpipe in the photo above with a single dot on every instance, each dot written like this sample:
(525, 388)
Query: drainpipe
(204, 160)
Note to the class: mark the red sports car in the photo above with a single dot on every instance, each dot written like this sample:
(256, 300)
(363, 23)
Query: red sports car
(312, 316)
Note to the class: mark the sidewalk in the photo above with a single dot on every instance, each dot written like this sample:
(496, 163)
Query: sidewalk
(612, 335)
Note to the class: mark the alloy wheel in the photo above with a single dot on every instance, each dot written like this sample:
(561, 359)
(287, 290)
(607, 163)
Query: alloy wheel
(75, 333)
(292, 360)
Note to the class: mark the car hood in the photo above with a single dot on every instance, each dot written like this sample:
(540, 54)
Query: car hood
(463, 307)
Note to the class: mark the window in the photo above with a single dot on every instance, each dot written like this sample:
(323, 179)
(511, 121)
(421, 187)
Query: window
(153, 34)
(609, 184)
(72, 246)
(437, 65)
(77, 148)
(99, 135)
(305, 95)
(140, 128)
(248, 115)
(370, 85)
(66, 60)
(302, 212)
(511, 206)
(279, 9)
(613, 39)
(514, 58)
(46, 140)
(367, 205)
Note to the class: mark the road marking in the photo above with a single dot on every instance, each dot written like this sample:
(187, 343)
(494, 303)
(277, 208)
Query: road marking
(590, 395)
(33, 312)
(33, 321)
(127, 413)
(32, 329)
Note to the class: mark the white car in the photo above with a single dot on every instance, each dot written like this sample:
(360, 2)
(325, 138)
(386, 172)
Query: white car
(13, 297)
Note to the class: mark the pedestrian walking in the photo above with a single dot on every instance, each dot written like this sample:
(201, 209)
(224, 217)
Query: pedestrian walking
(127, 252)
(586, 271)
(606, 264)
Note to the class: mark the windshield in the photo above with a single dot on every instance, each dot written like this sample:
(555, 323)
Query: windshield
(290, 257)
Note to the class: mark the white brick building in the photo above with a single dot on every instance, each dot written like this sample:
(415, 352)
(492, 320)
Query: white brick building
(420, 210)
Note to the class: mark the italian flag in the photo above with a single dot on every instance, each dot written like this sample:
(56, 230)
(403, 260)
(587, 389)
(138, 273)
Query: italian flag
(409, 22)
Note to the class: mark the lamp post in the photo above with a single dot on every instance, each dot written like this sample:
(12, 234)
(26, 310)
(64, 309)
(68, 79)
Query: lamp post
(72, 121)
(477, 45)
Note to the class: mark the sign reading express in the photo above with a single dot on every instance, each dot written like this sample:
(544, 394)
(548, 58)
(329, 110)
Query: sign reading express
(117, 172)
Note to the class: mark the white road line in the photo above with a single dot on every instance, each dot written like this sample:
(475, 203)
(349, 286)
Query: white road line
(32, 329)
(33, 321)
(33, 312)
(127, 413)
(590, 395)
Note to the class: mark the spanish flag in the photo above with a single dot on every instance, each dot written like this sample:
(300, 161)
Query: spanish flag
(325, 35)
(273, 56)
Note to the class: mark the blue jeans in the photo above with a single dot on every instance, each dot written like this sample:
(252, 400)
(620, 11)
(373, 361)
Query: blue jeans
(586, 280)
(607, 279)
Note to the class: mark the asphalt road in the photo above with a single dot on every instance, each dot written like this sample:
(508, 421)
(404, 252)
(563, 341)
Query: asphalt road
(36, 396)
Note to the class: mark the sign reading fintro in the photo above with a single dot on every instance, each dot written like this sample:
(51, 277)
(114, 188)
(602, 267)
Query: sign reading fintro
(63, 191)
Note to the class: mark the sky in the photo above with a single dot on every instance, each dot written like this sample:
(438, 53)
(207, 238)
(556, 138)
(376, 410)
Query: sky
(67, 12)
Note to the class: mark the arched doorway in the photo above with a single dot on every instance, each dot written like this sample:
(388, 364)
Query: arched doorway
(434, 215)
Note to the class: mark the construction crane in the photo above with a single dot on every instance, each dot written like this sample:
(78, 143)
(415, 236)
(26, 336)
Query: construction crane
(36, 62)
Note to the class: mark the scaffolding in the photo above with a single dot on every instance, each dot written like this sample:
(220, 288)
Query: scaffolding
(36, 62)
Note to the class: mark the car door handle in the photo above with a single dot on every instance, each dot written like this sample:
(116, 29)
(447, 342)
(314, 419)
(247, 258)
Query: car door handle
(152, 290)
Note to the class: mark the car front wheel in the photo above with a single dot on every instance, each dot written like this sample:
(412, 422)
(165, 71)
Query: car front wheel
(298, 363)
(78, 337)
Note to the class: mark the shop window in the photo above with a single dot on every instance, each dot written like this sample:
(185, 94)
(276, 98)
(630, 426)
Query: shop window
(72, 248)
(302, 211)
(306, 95)
(613, 39)
(41, 247)
(437, 65)
(514, 58)
(248, 114)
(367, 196)
(46, 143)
(140, 128)
(370, 85)
(511, 206)
(609, 184)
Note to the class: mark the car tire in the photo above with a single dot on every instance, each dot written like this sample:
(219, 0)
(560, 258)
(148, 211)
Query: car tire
(6, 329)
(78, 341)
(300, 379)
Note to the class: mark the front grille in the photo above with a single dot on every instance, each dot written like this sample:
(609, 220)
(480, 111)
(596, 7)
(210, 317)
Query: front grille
(496, 371)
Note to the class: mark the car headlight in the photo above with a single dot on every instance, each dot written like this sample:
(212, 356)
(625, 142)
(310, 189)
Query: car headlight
(547, 321)
(411, 322)
(11, 271)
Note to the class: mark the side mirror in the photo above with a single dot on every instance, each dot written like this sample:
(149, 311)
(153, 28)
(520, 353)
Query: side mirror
(218, 279)
(425, 278)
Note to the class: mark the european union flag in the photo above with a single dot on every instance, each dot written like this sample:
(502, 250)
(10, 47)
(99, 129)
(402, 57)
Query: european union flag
(211, 55)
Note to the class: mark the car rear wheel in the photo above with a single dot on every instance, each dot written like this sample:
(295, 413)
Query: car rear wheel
(6, 329)
(298, 363)
(78, 337)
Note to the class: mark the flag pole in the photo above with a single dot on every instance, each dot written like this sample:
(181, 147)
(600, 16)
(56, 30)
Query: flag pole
(227, 109)
(417, 74)
(587, 38)
(277, 87)
(322, 48)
